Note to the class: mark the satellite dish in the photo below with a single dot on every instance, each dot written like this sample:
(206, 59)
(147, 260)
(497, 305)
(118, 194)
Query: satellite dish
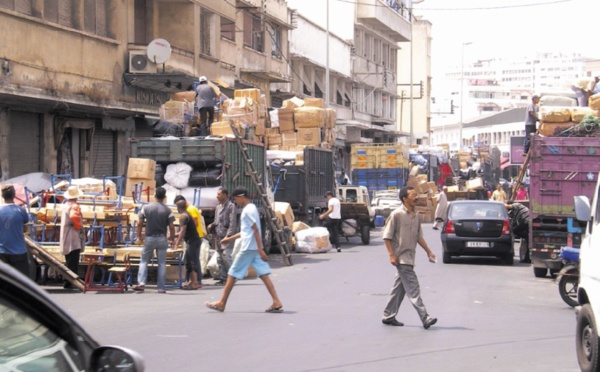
(159, 51)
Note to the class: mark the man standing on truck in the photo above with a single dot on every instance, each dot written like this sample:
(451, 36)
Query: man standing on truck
(205, 96)
(251, 253)
(333, 219)
(583, 89)
(531, 118)
(401, 234)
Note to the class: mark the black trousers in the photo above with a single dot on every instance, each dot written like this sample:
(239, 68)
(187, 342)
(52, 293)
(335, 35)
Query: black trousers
(333, 226)
(72, 261)
(207, 116)
(529, 130)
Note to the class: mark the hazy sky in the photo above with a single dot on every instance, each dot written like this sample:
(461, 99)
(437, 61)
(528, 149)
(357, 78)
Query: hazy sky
(509, 27)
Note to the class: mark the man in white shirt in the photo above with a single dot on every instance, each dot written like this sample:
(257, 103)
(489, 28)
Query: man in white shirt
(333, 219)
(583, 90)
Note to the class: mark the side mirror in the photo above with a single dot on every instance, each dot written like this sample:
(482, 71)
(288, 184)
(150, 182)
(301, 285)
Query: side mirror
(116, 358)
(583, 211)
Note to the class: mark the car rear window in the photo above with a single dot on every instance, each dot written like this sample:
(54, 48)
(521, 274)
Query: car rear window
(476, 210)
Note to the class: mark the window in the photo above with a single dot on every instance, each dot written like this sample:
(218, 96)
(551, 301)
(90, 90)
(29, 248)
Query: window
(227, 29)
(21, 6)
(253, 36)
(95, 17)
(275, 34)
(393, 53)
(367, 46)
(205, 34)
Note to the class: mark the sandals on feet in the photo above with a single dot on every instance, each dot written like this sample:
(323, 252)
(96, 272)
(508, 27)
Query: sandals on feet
(213, 306)
(274, 309)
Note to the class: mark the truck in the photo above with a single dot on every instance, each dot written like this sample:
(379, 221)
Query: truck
(304, 182)
(219, 158)
(560, 168)
(381, 166)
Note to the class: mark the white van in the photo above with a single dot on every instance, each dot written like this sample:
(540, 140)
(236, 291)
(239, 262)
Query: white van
(588, 293)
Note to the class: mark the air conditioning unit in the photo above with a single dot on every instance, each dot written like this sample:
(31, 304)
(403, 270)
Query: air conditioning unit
(140, 64)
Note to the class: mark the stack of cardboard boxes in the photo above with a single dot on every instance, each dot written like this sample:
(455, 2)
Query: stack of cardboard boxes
(141, 172)
(299, 123)
(427, 195)
(247, 110)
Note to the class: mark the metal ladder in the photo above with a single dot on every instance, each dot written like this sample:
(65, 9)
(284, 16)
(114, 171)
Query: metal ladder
(271, 218)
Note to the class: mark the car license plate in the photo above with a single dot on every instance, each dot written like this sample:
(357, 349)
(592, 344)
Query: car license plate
(478, 244)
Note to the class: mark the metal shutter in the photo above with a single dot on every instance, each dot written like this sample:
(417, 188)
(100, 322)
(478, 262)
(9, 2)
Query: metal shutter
(65, 13)
(102, 162)
(23, 6)
(24, 144)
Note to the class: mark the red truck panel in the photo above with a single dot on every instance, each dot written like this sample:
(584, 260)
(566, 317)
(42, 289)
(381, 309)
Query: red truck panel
(559, 169)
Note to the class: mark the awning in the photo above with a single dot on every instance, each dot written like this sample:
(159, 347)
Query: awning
(504, 163)
(167, 83)
(270, 76)
(122, 125)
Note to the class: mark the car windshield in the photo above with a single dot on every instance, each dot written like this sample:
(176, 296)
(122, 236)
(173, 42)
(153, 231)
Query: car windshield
(476, 210)
(27, 345)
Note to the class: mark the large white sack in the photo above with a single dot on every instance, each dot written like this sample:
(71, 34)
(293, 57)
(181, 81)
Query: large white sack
(313, 240)
(178, 175)
(349, 226)
(208, 196)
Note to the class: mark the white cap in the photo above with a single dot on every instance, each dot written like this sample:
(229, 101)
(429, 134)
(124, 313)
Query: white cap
(202, 79)
(72, 192)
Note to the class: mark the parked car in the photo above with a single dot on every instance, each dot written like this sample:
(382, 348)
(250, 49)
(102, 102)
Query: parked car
(384, 206)
(38, 335)
(477, 228)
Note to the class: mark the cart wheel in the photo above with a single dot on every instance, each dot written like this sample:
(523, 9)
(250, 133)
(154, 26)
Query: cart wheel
(365, 234)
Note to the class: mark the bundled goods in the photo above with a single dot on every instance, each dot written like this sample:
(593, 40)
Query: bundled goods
(589, 126)
(555, 114)
(178, 175)
(205, 177)
(312, 240)
(285, 118)
(176, 111)
(223, 128)
(550, 100)
(247, 93)
(594, 101)
(309, 136)
(314, 102)
(242, 109)
(578, 113)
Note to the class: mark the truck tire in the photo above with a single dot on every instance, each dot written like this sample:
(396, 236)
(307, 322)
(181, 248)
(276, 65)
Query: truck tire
(586, 340)
(540, 272)
(365, 234)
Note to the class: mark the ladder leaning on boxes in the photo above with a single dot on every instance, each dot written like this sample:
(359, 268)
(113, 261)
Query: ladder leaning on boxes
(268, 208)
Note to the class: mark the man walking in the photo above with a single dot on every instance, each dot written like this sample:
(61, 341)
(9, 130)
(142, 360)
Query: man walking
(441, 208)
(531, 118)
(401, 234)
(13, 219)
(223, 226)
(251, 253)
(196, 215)
(205, 96)
(333, 218)
(156, 217)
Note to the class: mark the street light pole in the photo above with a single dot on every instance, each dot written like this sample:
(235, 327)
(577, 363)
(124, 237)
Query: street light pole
(462, 84)
(327, 57)
(412, 39)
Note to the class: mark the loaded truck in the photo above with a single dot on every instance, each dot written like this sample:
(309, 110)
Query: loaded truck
(382, 166)
(560, 168)
(216, 162)
(304, 182)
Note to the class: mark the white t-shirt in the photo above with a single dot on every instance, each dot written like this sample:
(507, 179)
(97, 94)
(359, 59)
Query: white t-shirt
(336, 213)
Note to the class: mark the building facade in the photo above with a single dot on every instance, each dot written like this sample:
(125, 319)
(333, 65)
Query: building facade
(83, 82)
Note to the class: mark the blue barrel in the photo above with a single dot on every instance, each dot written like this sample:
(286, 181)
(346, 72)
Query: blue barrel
(379, 221)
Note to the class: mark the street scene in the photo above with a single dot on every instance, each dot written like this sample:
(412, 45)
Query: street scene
(489, 314)
(298, 185)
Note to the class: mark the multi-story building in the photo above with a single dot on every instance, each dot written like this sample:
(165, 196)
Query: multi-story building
(77, 81)
(362, 64)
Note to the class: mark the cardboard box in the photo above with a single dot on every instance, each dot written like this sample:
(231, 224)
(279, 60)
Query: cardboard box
(310, 117)
(314, 102)
(309, 136)
(286, 211)
(148, 187)
(286, 120)
(187, 96)
(292, 103)
(223, 128)
(274, 139)
(260, 129)
(289, 139)
(251, 93)
(475, 184)
(141, 168)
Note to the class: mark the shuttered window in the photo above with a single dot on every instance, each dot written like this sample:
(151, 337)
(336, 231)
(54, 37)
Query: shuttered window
(65, 13)
(23, 6)
(51, 11)
(7, 4)
(25, 144)
(102, 161)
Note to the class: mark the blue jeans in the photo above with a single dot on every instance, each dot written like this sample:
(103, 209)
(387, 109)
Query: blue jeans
(152, 243)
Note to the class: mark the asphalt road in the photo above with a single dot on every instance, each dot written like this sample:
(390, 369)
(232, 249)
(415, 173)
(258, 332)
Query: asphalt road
(491, 318)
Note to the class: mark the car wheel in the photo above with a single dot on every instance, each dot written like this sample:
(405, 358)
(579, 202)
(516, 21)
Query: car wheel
(586, 340)
(365, 234)
(508, 259)
(446, 258)
(540, 272)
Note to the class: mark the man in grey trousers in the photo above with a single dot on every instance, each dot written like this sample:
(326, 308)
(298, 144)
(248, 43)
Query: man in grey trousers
(401, 234)
(224, 225)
